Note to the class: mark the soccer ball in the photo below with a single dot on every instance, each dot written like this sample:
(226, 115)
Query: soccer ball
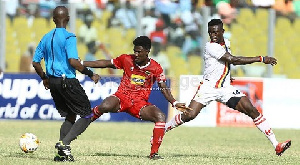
(29, 142)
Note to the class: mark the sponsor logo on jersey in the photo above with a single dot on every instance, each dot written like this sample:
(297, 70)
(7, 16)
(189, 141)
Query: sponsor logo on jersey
(137, 79)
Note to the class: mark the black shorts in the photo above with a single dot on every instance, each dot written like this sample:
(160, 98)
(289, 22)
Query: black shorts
(71, 99)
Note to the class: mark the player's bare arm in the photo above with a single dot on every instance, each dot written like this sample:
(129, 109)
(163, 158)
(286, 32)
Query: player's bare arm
(167, 93)
(239, 60)
(78, 66)
(39, 70)
(99, 64)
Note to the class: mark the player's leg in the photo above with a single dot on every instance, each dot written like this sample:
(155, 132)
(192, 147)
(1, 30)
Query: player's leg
(58, 95)
(109, 104)
(154, 114)
(181, 118)
(244, 105)
(67, 125)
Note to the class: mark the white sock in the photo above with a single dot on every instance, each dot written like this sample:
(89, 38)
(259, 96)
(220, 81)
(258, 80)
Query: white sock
(174, 122)
(262, 124)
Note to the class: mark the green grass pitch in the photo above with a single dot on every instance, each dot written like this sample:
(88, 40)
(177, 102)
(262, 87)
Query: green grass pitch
(128, 143)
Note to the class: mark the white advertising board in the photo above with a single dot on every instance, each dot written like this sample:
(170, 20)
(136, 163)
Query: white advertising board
(280, 102)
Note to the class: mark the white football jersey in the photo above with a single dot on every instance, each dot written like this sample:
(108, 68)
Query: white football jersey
(216, 72)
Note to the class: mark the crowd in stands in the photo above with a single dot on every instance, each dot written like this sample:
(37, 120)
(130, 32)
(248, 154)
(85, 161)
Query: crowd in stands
(166, 22)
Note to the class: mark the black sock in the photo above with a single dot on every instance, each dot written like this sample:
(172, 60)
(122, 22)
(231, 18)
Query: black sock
(78, 127)
(64, 129)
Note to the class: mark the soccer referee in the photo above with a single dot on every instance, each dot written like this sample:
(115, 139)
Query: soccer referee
(58, 49)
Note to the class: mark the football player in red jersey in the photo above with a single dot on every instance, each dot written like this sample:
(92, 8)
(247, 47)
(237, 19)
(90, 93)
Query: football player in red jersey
(140, 72)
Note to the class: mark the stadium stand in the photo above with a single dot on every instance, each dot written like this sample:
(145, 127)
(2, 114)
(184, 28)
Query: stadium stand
(248, 38)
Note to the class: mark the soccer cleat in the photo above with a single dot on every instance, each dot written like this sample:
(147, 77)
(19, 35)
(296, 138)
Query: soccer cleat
(95, 113)
(281, 147)
(155, 156)
(64, 152)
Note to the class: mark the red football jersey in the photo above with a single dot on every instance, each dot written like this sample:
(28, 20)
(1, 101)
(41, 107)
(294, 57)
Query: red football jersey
(138, 79)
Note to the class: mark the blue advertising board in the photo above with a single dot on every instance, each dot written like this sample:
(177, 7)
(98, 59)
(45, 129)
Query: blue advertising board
(23, 96)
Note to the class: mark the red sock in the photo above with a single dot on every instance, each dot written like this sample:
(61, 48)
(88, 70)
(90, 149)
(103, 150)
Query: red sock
(96, 113)
(158, 134)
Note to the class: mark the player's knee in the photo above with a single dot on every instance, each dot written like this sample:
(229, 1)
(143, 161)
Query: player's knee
(188, 117)
(105, 107)
(160, 117)
(253, 113)
(71, 118)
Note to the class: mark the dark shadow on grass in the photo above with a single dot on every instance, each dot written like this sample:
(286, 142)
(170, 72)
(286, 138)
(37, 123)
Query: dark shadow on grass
(171, 156)
(213, 156)
(114, 154)
(26, 155)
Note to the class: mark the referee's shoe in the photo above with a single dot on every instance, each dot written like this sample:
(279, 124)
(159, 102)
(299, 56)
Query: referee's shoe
(64, 152)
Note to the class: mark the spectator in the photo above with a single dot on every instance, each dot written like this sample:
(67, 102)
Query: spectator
(176, 32)
(148, 22)
(112, 20)
(263, 4)
(296, 6)
(227, 11)
(284, 8)
(159, 35)
(31, 7)
(192, 42)
(160, 57)
(127, 16)
(165, 8)
(26, 59)
(93, 47)
(11, 10)
(88, 33)
(45, 9)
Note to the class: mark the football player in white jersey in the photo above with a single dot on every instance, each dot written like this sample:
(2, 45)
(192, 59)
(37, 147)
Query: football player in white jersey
(216, 85)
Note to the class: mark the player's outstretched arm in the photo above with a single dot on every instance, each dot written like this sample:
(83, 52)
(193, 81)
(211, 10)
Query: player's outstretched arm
(99, 64)
(167, 93)
(82, 69)
(240, 60)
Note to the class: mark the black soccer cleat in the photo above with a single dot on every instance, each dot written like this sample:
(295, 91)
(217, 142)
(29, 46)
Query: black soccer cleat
(155, 156)
(64, 152)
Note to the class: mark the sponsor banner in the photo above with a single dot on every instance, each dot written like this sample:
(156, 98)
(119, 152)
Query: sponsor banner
(278, 99)
(253, 89)
(23, 96)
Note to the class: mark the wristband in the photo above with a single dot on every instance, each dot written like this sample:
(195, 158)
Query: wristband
(174, 103)
(81, 62)
(88, 72)
(262, 58)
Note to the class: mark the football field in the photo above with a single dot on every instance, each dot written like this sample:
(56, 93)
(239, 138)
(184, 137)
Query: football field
(128, 143)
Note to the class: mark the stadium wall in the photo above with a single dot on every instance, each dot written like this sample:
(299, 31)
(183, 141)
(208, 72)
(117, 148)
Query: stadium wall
(277, 99)
(23, 97)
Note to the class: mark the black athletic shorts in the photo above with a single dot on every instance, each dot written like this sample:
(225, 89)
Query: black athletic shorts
(71, 98)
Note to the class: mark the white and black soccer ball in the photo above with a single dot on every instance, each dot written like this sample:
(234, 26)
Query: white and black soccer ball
(29, 143)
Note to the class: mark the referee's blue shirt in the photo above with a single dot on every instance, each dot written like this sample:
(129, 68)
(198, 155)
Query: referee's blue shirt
(56, 47)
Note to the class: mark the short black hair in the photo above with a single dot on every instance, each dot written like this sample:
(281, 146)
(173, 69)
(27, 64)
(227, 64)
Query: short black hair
(143, 41)
(214, 22)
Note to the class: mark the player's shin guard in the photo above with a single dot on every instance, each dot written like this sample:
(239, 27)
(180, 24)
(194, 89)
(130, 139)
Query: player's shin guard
(96, 113)
(174, 122)
(264, 127)
(158, 134)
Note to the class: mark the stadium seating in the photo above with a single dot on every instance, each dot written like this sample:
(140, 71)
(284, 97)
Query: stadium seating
(249, 37)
